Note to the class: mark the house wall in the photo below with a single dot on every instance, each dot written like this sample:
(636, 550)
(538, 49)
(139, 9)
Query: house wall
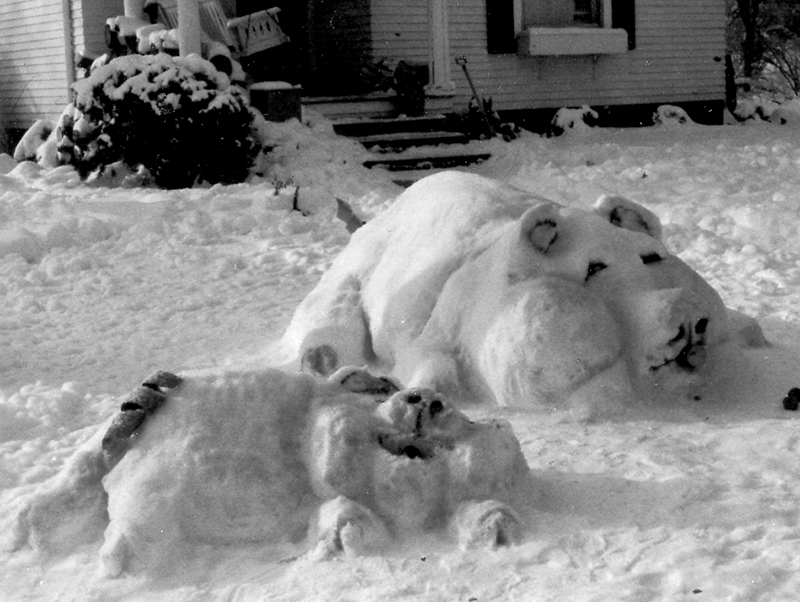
(400, 30)
(33, 73)
(679, 57)
(89, 19)
(339, 44)
(34, 82)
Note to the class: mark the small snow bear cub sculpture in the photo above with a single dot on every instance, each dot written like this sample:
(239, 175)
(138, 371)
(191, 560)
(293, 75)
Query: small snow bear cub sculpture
(267, 457)
(421, 465)
(483, 291)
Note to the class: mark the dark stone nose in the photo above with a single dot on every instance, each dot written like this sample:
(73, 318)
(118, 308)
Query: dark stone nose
(414, 398)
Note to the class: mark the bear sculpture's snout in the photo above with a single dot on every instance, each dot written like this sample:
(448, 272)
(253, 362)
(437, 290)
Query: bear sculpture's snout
(691, 343)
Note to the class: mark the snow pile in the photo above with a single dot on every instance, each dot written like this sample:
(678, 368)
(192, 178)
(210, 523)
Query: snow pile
(32, 145)
(76, 232)
(311, 156)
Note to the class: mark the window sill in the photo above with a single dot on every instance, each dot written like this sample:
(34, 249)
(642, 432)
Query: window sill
(557, 41)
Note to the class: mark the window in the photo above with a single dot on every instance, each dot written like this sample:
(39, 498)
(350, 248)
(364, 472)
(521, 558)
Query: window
(563, 13)
(588, 13)
(508, 19)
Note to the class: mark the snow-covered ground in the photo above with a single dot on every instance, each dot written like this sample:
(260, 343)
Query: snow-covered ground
(699, 501)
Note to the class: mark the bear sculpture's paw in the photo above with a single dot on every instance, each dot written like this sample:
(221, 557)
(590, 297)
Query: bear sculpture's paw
(360, 380)
(488, 524)
(133, 411)
(346, 527)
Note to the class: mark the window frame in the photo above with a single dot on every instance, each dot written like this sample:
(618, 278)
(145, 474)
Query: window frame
(505, 23)
(606, 16)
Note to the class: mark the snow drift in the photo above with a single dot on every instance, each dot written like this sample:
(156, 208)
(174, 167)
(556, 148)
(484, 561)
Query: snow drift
(690, 500)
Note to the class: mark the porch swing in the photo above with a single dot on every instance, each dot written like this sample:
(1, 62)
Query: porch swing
(245, 35)
(242, 36)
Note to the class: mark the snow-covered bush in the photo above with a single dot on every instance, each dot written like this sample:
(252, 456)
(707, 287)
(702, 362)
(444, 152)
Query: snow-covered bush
(671, 115)
(576, 119)
(787, 113)
(178, 117)
(757, 109)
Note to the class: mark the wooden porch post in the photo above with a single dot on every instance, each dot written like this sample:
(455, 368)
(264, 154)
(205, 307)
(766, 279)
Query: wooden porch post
(188, 27)
(69, 44)
(440, 80)
(134, 8)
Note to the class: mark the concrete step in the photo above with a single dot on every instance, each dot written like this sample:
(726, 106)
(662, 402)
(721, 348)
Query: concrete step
(359, 127)
(373, 105)
(403, 140)
(447, 161)
(350, 107)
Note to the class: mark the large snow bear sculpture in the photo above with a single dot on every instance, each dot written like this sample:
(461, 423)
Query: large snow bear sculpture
(479, 290)
(266, 457)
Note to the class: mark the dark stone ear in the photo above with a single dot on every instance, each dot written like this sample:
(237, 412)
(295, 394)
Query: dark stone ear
(539, 226)
(624, 213)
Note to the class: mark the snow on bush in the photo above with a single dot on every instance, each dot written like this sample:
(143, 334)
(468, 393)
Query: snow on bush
(787, 113)
(576, 119)
(177, 117)
(757, 109)
(671, 115)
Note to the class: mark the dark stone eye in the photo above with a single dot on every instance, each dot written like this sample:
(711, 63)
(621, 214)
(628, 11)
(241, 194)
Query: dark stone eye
(594, 268)
(436, 407)
(651, 258)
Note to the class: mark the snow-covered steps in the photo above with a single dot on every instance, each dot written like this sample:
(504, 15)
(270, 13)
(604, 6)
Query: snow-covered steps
(427, 162)
(403, 140)
(352, 107)
(412, 143)
(372, 105)
(385, 126)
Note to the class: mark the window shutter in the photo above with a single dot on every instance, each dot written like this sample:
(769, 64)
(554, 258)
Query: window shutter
(623, 16)
(500, 34)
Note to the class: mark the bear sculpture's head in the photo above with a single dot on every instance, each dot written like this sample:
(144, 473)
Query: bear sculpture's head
(569, 296)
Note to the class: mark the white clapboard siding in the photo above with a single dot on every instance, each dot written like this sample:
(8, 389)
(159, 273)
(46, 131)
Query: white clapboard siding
(400, 30)
(33, 71)
(679, 57)
(33, 53)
